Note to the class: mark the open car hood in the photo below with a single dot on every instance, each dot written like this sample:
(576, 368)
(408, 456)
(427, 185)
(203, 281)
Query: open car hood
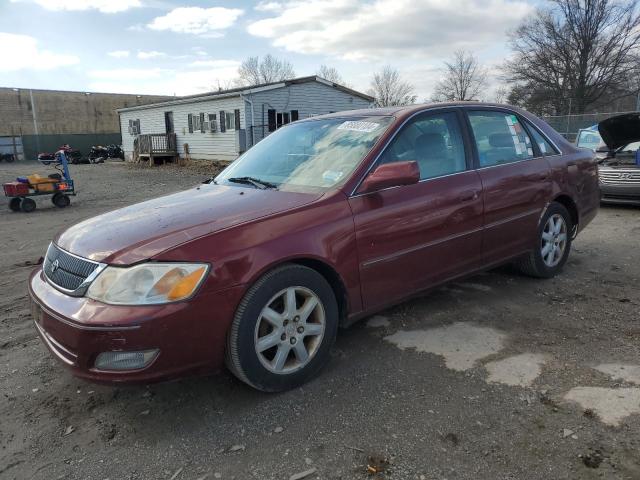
(621, 130)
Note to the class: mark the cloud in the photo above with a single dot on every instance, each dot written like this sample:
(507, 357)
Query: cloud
(355, 30)
(104, 6)
(215, 63)
(269, 6)
(151, 54)
(119, 53)
(197, 20)
(162, 80)
(21, 52)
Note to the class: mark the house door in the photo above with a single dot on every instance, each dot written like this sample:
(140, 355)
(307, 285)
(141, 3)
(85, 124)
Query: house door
(168, 122)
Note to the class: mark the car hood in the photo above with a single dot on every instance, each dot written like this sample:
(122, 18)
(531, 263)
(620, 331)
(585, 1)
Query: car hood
(621, 130)
(144, 230)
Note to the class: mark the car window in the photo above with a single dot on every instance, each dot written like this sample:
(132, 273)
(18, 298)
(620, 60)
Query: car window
(589, 139)
(632, 147)
(500, 138)
(544, 146)
(434, 141)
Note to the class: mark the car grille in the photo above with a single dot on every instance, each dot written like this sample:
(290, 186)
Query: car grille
(65, 270)
(620, 176)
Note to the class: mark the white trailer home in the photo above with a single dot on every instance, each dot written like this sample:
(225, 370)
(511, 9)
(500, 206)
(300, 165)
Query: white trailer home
(222, 125)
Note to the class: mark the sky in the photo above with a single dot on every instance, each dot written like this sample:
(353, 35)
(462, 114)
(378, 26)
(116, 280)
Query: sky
(176, 47)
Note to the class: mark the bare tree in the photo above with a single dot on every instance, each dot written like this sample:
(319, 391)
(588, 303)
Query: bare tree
(254, 71)
(331, 74)
(463, 79)
(567, 57)
(390, 90)
(501, 94)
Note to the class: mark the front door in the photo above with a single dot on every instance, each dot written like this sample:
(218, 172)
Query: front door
(411, 237)
(516, 182)
(168, 122)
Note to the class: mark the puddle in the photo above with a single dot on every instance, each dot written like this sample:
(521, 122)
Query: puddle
(618, 371)
(520, 370)
(378, 322)
(611, 405)
(461, 344)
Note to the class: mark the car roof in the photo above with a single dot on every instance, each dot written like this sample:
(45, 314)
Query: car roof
(408, 109)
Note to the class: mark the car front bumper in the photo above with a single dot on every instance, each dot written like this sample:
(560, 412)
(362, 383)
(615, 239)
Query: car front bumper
(623, 194)
(190, 336)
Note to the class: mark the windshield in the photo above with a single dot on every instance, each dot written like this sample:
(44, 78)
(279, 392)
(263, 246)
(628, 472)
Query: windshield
(589, 139)
(311, 154)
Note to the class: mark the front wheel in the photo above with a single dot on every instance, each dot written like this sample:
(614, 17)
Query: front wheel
(61, 200)
(553, 244)
(283, 329)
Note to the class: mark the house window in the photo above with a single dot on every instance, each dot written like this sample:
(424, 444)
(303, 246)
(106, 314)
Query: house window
(230, 120)
(134, 127)
(196, 122)
(213, 127)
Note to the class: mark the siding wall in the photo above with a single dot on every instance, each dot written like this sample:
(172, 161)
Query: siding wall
(206, 146)
(311, 98)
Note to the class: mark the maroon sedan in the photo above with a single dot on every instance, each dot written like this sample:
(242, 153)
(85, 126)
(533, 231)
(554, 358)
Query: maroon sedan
(324, 222)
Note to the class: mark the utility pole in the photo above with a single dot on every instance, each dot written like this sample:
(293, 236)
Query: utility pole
(34, 115)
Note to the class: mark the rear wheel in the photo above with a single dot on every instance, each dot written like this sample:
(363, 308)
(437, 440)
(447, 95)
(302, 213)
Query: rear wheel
(283, 329)
(28, 205)
(14, 204)
(553, 244)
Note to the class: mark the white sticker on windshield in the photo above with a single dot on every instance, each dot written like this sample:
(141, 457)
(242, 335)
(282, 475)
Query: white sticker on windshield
(357, 126)
(332, 176)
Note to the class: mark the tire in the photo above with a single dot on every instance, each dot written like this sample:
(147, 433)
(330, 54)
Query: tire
(281, 365)
(14, 204)
(60, 200)
(27, 205)
(10, 158)
(552, 244)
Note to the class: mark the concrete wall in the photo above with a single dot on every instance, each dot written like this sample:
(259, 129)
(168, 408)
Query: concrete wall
(43, 112)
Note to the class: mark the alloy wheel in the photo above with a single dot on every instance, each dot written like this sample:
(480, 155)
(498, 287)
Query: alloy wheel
(554, 240)
(289, 330)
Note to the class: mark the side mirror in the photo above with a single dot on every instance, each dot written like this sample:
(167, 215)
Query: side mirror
(391, 175)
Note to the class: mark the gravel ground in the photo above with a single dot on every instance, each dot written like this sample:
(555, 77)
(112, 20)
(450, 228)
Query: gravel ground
(498, 376)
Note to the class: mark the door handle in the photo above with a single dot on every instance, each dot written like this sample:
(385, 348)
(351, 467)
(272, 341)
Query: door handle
(468, 196)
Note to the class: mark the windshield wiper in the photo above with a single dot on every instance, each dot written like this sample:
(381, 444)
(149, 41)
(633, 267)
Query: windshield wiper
(256, 182)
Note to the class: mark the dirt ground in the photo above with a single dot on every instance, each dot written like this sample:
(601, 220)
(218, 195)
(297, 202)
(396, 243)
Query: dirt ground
(496, 377)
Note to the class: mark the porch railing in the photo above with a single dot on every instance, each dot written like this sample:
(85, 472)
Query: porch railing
(157, 144)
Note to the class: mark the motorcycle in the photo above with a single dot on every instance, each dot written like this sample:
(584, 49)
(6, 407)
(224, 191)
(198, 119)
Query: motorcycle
(98, 153)
(73, 155)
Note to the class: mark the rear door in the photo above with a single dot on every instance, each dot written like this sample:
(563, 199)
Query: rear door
(516, 182)
(411, 237)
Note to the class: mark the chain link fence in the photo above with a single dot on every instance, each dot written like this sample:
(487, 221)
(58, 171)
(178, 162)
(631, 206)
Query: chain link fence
(569, 125)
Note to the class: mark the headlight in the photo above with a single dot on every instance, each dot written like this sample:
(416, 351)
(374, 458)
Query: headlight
(148, 283)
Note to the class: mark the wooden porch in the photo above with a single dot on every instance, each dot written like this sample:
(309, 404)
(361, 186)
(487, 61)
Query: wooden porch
(150, 146)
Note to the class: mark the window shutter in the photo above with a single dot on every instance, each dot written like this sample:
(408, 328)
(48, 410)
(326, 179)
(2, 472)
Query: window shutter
(138, 126)
(190, 121)
(237, 115)
(130, 127)
(285, 118)
(223, 127)
(202, 122)
(272, 119)
(294, 115)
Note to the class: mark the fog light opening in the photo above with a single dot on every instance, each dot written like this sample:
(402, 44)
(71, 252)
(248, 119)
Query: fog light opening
(119, 361)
